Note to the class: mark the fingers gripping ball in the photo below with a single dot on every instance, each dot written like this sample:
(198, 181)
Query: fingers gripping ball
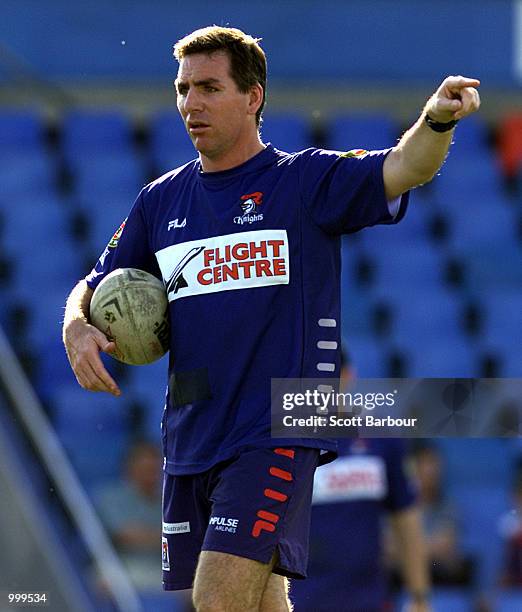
(130, 307)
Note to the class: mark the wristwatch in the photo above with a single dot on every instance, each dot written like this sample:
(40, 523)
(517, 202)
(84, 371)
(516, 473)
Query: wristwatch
(436, 126)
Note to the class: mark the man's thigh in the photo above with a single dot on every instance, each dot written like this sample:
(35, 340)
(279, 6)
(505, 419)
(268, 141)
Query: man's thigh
(227, 582)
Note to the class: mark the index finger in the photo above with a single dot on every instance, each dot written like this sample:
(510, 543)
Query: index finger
(103, 376)
(459, 82)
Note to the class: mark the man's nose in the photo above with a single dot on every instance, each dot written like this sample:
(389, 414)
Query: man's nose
(193, 101)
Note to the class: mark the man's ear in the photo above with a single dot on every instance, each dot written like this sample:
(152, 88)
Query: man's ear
(256, 98)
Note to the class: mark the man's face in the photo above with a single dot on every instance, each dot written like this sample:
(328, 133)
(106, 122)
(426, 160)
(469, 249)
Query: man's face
(216, 114)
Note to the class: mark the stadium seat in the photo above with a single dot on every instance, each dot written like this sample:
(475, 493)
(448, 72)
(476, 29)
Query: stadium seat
(503, 318)
(286, 132)
(94, 430)
(471, 137)
(433, 313)
(107, 174)
(86, 133)
(509, 601)
(440, 357)
(29, 173)
(358, 131)
(367, 356)
(170, 145)
(463, 179)
(406, 265)
(22, 131)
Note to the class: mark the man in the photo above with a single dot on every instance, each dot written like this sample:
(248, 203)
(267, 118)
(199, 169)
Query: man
(251, 295)
(351, 497)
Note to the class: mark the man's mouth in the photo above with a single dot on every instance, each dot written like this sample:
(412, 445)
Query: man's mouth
(197, 127)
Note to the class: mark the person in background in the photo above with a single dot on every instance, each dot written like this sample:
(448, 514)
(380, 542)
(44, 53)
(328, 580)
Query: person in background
(352, 497)
(449, 566)
(510, 528)
(130, 512)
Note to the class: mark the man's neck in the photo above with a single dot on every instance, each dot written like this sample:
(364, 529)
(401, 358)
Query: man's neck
(233, 158)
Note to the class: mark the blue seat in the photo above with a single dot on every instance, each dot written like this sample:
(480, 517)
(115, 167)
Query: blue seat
(509, 601)
(22, 131)
(286, 132)
(442, 357)
(86, 133)
(503, 321)
(358, 131)
(93, 429)
(434, 313)
(367, 356)
(170, 145)
(407, 265)
(463, 177)
(106, 174)
(106, 212)
(471, 137)
(26, 173)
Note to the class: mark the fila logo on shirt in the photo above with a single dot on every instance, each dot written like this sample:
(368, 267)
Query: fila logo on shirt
(175, 224)
(250, 203)
(224, 263)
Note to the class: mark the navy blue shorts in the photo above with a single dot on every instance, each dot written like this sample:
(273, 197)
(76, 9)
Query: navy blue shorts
(249, 506)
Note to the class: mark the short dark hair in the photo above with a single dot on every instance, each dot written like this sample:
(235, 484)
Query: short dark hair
(247, 59)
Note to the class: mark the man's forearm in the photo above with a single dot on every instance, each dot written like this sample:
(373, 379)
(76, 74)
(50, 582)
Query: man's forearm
(408, 532)
(78, 302)
(421, 151)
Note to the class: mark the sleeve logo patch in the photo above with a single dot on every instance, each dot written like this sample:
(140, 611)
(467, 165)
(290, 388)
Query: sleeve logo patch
(117, 235)
(354, 153)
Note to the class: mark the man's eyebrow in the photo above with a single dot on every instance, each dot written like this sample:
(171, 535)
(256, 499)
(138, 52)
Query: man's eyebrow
(201, 82)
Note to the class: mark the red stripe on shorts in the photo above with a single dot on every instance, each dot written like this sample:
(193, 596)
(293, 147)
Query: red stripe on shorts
(268, 516)
(283, 474)
(260, 526)
(287, 452)
(281, 497)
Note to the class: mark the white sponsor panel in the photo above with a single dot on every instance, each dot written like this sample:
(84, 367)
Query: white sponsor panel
(173, 528)
(224, 263)
(350, 479)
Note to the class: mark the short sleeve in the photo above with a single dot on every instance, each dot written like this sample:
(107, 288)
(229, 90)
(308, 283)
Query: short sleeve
(128, 248)
(344, 192)
(401, 490)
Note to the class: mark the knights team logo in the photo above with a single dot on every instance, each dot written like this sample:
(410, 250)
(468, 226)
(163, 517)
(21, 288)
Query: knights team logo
(250, 203)
(165, 562)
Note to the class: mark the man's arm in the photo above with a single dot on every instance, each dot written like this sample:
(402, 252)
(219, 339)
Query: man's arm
(406, 525)
(421, 151)
(83, 343)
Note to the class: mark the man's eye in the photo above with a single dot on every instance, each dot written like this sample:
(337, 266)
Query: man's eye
(210, 88)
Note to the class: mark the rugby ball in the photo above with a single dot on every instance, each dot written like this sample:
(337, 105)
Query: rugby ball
(130, 307)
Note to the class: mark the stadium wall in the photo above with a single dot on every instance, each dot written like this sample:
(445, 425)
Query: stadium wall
(411, 40)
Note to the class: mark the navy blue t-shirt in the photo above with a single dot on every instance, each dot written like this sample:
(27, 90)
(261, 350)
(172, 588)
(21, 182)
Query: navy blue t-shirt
(250, 258)
(351, 497)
